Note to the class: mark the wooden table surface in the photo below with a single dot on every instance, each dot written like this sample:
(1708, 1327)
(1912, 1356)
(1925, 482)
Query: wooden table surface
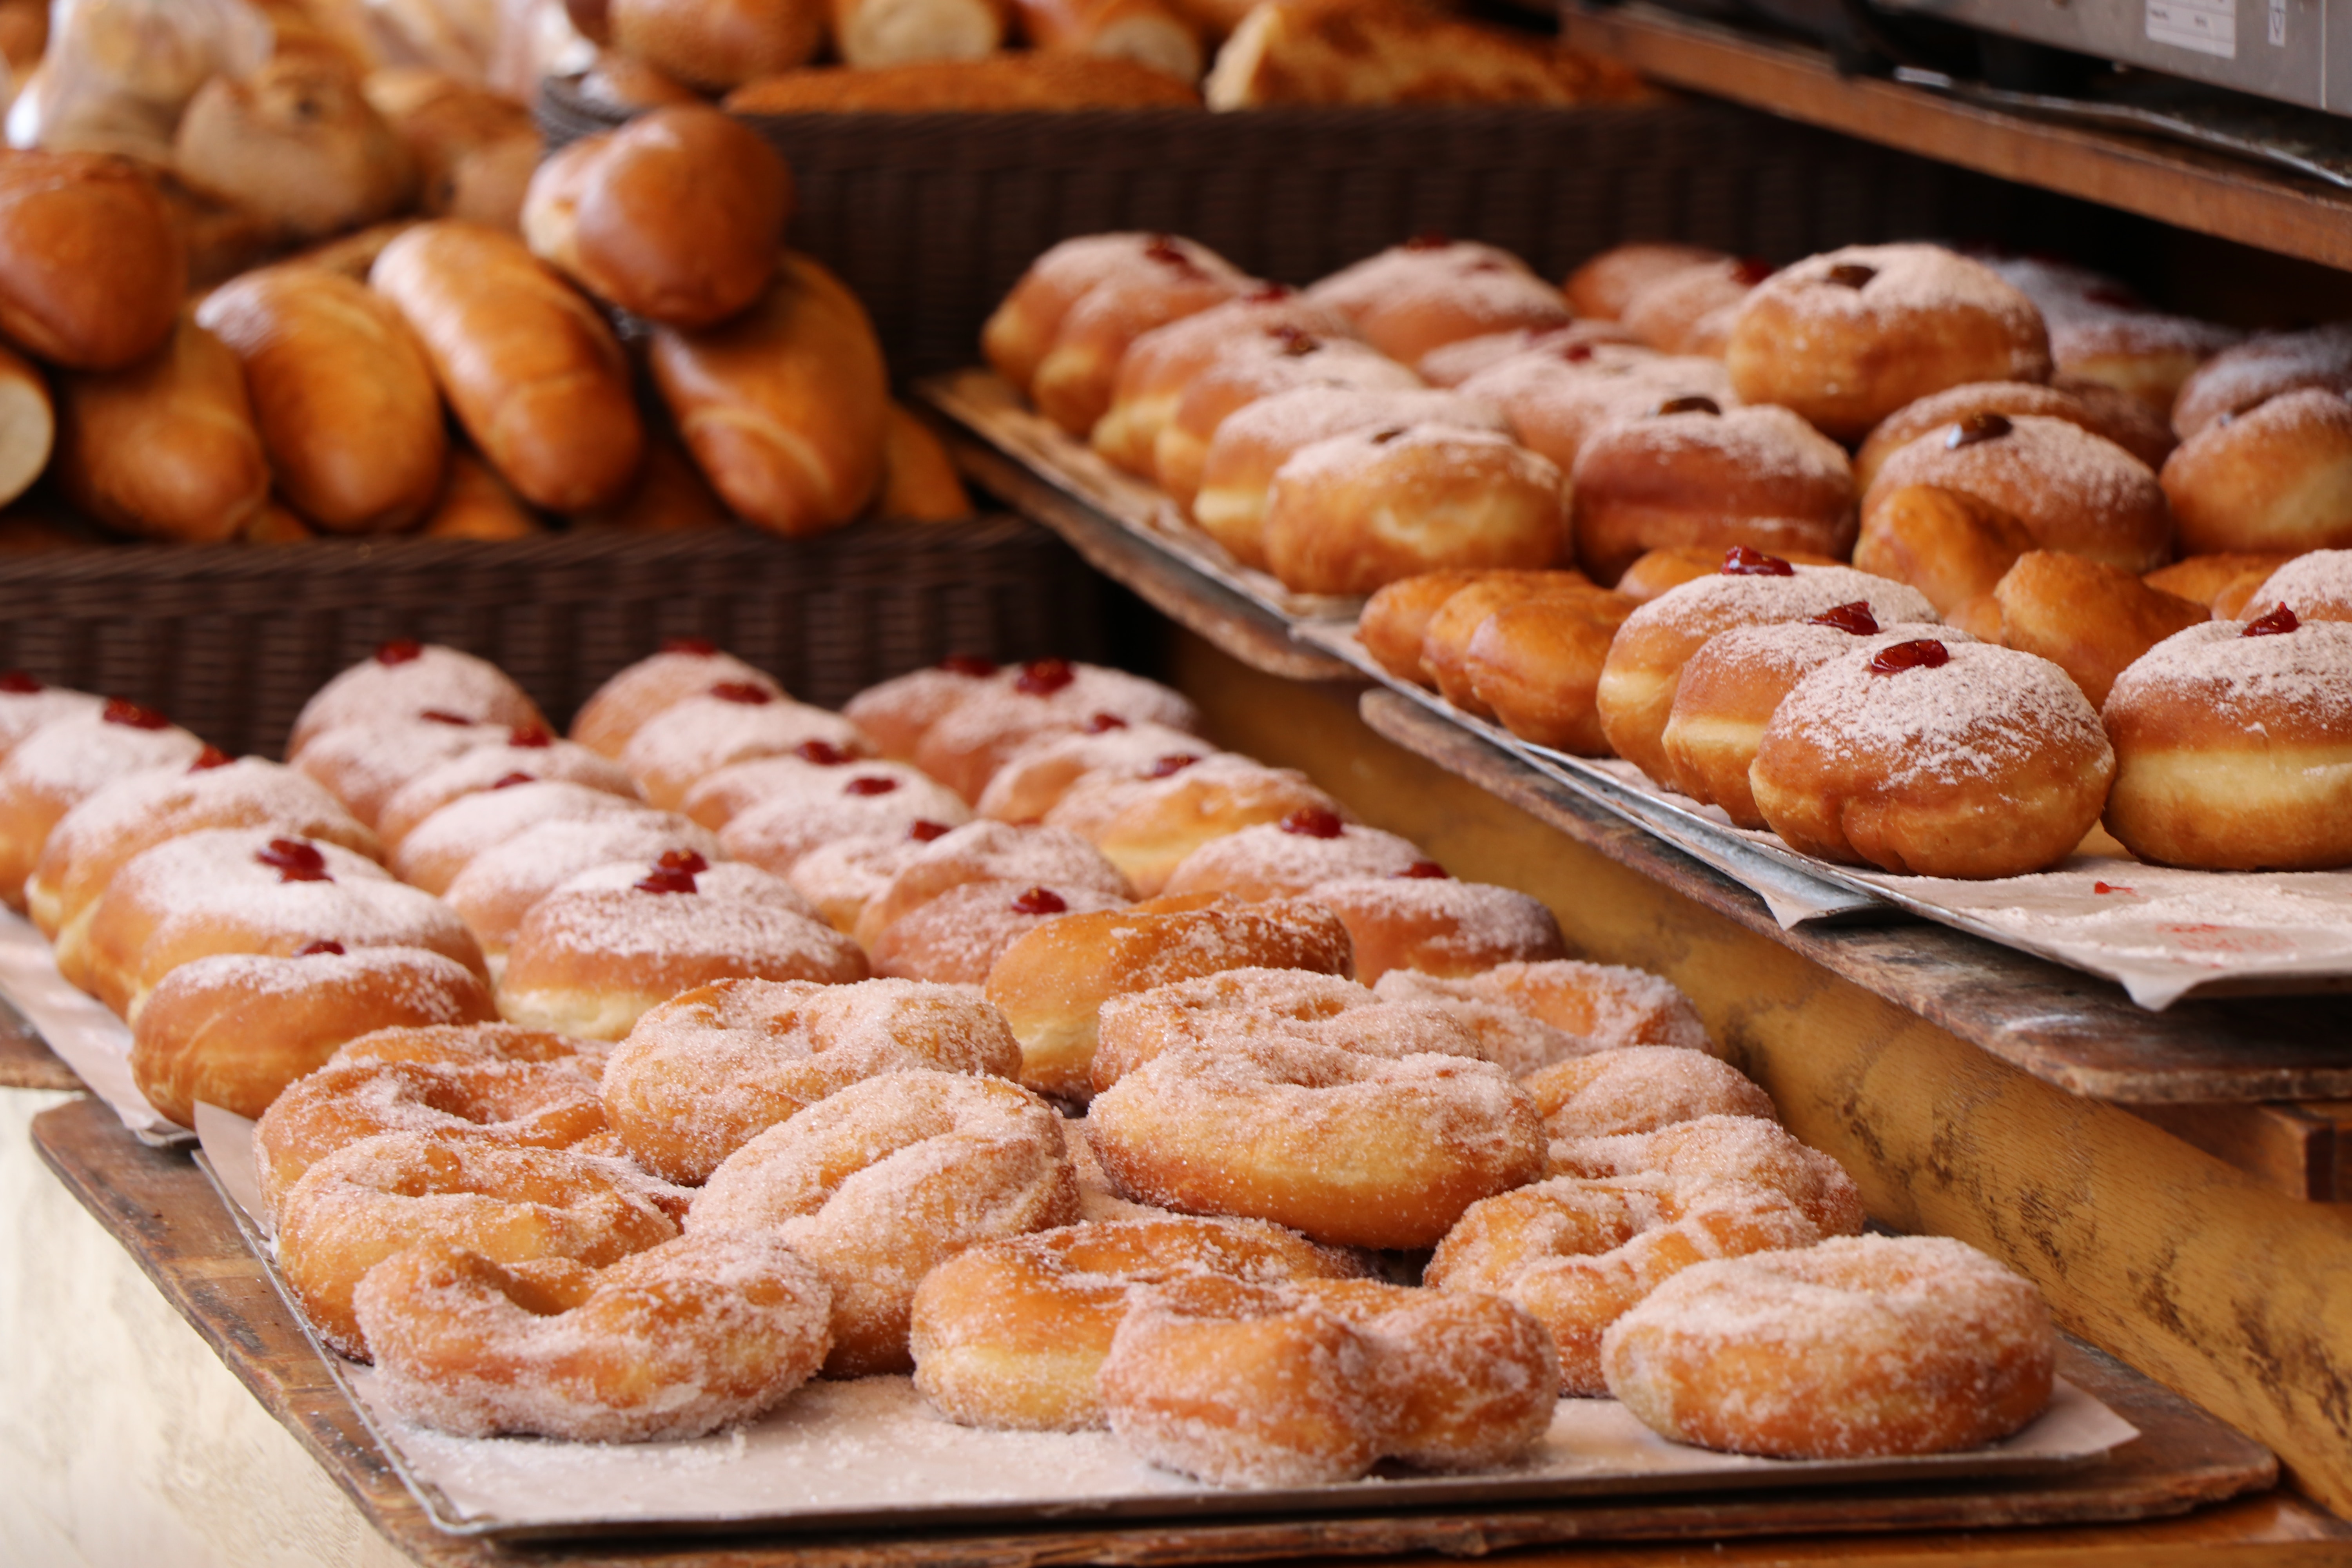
(25, 1062)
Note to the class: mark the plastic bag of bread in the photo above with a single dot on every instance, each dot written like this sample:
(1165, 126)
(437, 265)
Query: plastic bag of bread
(119, 72)
(296, 144)
(1393, 51)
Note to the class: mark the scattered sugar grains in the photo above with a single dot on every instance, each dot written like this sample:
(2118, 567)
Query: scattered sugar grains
(1987, 713)
(1464, 276)
(1906, 278)
(1306, 415)
(2059, 468)
(1711, 604)
(2217, 669)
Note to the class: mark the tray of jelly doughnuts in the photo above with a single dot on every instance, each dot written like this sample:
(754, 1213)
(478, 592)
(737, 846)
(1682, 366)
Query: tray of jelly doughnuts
(997, 1041)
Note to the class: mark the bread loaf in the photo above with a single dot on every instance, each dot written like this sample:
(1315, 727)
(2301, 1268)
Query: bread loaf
(718, 43)
(1148, 32)
(91, 272)
(1001, 83)
(165, 449)
(29, 425)
(919, 479)
(784, 406)
(676, 216)
(1391, 51)
(344, 398)
(533, 373)
(296, 143)
(901, 32)
(475, 503)
(474, 149)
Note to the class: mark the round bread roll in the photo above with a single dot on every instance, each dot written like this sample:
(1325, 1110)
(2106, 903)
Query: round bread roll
(2275, 477)
(166, 449)
(2264, 366)
(1431, 291)
(716, 45)
(2148, 441)
(93, 272)
(1605, 284)
(2071, 490)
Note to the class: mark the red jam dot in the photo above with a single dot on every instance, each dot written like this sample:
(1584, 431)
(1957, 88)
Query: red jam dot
(743, 691)
(1102, 723)
(123, 711)
(1855, 619)
(1040, 901)
(2278, 622)
(1044, 676)
(700, 648)
(443, 716)
(508, 781)
(1576, 354)
(1976, 427)
(689, 861)
(824, 754)
(925, 831)
(16, 683)
(1428, 870)
(665, 879)
(1174, 762)
(1750, 270)
(969, 664)
(1428, 239)
(1852, 274)
(1926, 653)
(2111, 888)
(319, 950)
(1314, 822)
(211, 757)
(1693, 403)
(1742, 560)
(531, 737)
(400, 650)
(295, 860)
(869, 784)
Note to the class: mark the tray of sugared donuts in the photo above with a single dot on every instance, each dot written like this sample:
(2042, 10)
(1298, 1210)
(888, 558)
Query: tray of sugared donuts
(987, 1102)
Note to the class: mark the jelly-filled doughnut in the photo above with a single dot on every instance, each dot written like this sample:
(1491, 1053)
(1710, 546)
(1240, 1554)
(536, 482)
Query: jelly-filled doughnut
(528, 756)
(2103, 335)
(499, 886)
(1723, 1149)
(363, 765)
(1554, 400)
(1395, 619)
(1020, 333)
(1430, 291)
(957, 937)
(731, 722)
(26, 704)
(2086, 617)
(1163, 280)
(1673, 565)
(2266, 365)
(1457, 361)
(1605, 284)
(896, 712)
(1536, 666)
(1423, 919)
(812, 773)
(2071, 490)
(405, 678)
(1034, 779)
(1164, 362)
(2276, 477)
(1691, 311)
(2208, 579)
(434, 851)
(686, 666)
(845, 803)
(844, 877)
(989, 852)
(2150, 441)
(1640, 1089)
(1272, 364)
(971, 740)
(1147, 826)
(1445, 638)
(1283, 859)
(1952, 546)
(68, 760)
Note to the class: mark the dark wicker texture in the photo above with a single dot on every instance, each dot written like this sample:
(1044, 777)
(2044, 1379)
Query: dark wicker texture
(930, 217)
(231, 641)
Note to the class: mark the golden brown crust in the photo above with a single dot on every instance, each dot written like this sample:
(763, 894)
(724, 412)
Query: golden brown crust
(2088, 618)
(91, 272)
(1951, 546)
(1445, 640)
(716, 45)
(2205, 578)
(2150, 442)
(1537, 665)
(1001, 83)
(1396, 619)
(165, 449)
(919, 482)
(1302, 51)
(2072, 489)
(296, 145)
(1604, 284)
(2275, 477)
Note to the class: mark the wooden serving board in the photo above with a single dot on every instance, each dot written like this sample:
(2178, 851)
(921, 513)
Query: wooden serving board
(166, 1215)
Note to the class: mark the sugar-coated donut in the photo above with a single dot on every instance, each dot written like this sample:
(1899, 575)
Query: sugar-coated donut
(1161, 280)
(1247, 1003)
(2103, 334)
(1011, 1335)
(1577, 1254)
(2316, 586)
(2266, 365)
(883, 1181)
(68, 760)
(1456, 362)
(1445, 638)
(1952, 546)
(1147, 826)
(2086, 617)
(1260, 367)
(1555, 399)
(1691, 311)
(677, 1341)
(1162, 362)
(896, 712)
(1426, 921)
(1603, 285)
(965, 746)
(433, 853)
(490, 1194)
(233, 1030)
(405, 677)
(1640, 1089)
(1342, 1145)
(25, 704)
(1019, 334)
(686, 666)
(1848, 337)
(499, 886)
(1862, 1345)
(1052, 984)
(690, 740)
(957, 937)
(1283, 859)
(843, 877)
(462, 1043)
(2207, 578)
(844, 802)
(1934, 758)
(812, 772)
(2150, 441)
(528, 756)
(1034, 780)
(2073, 490)
(1676, 564)
(363, 765)
(1309, 1382)
(1427, 292)
(1720, 1148)
(2276, 477)
(1607, 1006)
(1536, 666)
(991, 852)
(2233, 747)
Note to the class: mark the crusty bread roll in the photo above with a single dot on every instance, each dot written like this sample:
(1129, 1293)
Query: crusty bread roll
(718, 43)
(919, 479)
(92, 270)
(298, 143)
(676, 216)
(535, 375)
(345, 400)
(1391, 51)
(784, 407)
(29, 425)
(901, 32)
(1148, 32)
(166, 449)
(1001, 83)
(475, 503)
(474, 149)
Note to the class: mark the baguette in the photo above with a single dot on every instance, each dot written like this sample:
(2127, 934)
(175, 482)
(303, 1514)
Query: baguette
(534, 374)
(782, 407)
(899, 32)
(165, 449)
(716, 45)
(29, 425)
(1000, 83)
(676, 216)
(92, 270)
(919, 479)
(1148, 32)
(1391, 51)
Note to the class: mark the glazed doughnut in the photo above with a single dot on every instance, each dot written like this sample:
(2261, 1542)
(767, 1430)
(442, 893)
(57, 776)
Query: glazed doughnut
(1353, 512)
(1640, 1089)
(1310, 1382)
(405, 678)
(1846, 338)
(1019, 334)
(1163, 280)
(363, 765)
(1746, 1149)
(1578, 1255)
(1147, 826)
(2101, 332)
(1011, 1335)
(1860, 1346)
(1431, 291)
(1343, 1146)
(704, 1073)
(1608, 1006)
(1426, 921)
(957, 938)
(2207, 578)
(1635, 695)
(499, 886)
(1952, 546)
(1034, 780)
(895, 713)
(2266, 365)
(2148, 440)
(2276, 477)
(529, 756)
(686, 666)
(1165, 361)
(1674, 565)
(994, 852)
(778, 831)
(512, 1204)
(26, 705)
(1456, 362)
(68, 760)
(1251, 447)
(1690, 312)
(1603, 285)
(881, 1182)
(1445, 640)
(530, 1105)
(842, 877)
(690, 740)
(2071, 490)
(1283, 859)
(591, 960)
(2089, 620)
(2233, 747)
(433, 853)
(812, 771)
(249, 890)
(672, 1342)
(1934, 758)
(1272, 365)
(1731, 685)
(462, 1044)
(1052, 984)
(1044, 696)
(1555, 399)
(1395, 620)
(233, 1030)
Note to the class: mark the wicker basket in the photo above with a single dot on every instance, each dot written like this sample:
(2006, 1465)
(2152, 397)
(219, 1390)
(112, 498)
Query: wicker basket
(231, 641)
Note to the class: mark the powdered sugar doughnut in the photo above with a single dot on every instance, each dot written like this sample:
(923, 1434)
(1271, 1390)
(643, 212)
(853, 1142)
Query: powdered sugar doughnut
(2150, 443)
(363, 765)
(885, 1180)
(810, 772)
(704, 1073)
(1578, 1255)
(841, 877)
(1161, 280)
(405, 677)
(1011, 1335)
(433, 853)
(1444, 656)
(1954, 547)
(1281, 858)
(1605, 284)
(1020, 333)
(2264, 366)
(1691, 311)
(1457, 361)
(1607, 1006)
(1718, 1148)
(845, 804)
(26, 705)
(529, 756)
(1343, 1146)
(2101, 332)
(1146, 826)
(989, 852)
(1640, 1089)
(1268, 365)
(896, 712)
(1555, 400)
(1163, 361)
(672, 1342)
(2277, 476)
(499, 885)
(957, 938)
(2070, 490)
(2316, 586)
(968, 743)
(685, 668)
(1248, 1003)
(1934, 758)
(236, 1029)
(1438, 925)
(1034, 780)
(1862, 1345)
(690, 740)
(1673, 565)
(1848, 337)
(66, 761)
(1426, 293)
